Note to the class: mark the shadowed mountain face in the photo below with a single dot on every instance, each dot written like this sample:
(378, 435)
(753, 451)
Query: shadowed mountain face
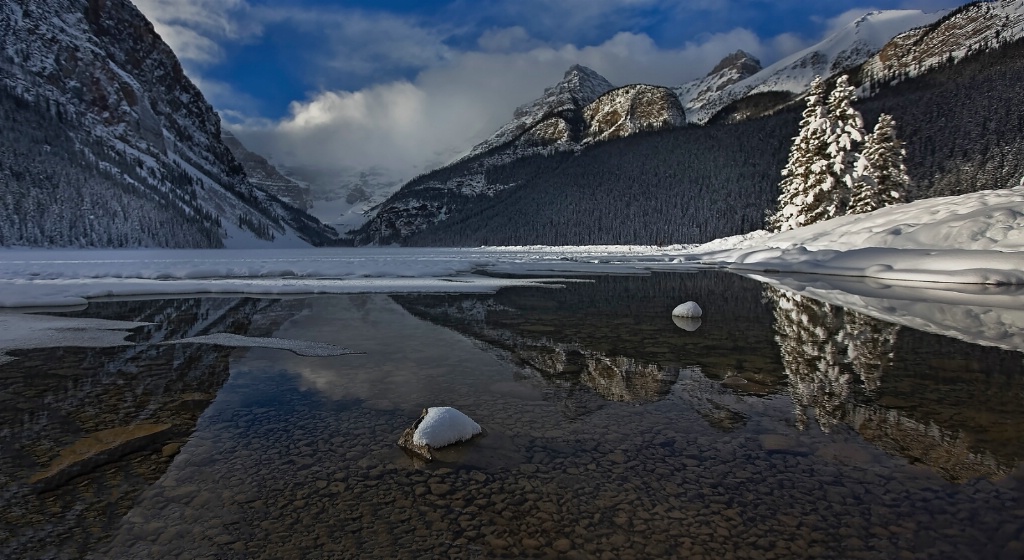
(140, 403)
(99, 96)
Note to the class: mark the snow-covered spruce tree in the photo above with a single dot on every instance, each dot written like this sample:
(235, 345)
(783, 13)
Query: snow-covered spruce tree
(884, 179)
(845, 163)
(804, 167)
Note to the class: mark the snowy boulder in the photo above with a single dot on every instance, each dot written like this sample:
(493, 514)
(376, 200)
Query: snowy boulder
(688, 309)
(437, 427)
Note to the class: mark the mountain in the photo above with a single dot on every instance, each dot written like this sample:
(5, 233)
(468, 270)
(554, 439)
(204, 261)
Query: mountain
(581, 110)
(106, 142)
(343, 197)
(695, 183)
(974, 27)
(844, 50)
(732, 69)
(580, 86)
(265, 176)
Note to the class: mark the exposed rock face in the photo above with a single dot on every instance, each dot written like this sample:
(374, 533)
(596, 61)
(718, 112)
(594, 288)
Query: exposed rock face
(626, 111)
(264, 175)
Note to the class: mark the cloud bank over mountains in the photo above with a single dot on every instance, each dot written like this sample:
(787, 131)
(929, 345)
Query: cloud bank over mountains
(404, 92)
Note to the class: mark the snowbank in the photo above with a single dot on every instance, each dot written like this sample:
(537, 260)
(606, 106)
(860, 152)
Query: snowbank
(975, 238)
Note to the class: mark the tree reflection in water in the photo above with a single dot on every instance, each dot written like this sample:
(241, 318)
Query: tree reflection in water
(820, 344)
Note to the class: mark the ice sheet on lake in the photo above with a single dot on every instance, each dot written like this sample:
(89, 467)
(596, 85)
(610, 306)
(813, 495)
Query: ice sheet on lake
(300, 347)
(21, 331)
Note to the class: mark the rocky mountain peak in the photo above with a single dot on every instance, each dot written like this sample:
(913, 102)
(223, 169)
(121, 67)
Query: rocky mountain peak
(741, 62)
(579, 87)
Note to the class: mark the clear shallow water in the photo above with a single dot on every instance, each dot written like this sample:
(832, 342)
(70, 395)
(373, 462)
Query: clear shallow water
(611, 431)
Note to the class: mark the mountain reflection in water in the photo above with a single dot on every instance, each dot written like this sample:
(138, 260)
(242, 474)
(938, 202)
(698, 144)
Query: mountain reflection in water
(933, 400)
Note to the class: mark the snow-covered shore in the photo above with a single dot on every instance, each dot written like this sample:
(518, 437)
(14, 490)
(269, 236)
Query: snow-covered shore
(976, 238)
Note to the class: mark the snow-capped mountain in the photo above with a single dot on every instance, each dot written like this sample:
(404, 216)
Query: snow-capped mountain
(581, 110)
(343, 198)
(264, 175)
(972, 28)
(844, 50)
(129, 149)
(580, 87)
(734, 68)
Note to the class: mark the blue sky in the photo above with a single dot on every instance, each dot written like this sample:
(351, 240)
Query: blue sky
(408, 84)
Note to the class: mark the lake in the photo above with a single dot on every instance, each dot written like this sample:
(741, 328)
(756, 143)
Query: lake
(777, 426)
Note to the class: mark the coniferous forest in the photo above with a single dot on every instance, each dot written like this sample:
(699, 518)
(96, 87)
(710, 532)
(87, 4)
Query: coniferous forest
(58, 194)
(962, 126)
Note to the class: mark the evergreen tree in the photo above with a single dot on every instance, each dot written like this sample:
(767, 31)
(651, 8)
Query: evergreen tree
(884, 179)
(845, 163)
(804, 167)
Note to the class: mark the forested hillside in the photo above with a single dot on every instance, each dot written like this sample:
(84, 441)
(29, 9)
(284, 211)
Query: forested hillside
(55, 193)
(962, 125)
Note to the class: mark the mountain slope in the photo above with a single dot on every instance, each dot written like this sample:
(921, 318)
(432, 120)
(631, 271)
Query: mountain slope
(264, 175)
(730, 70)
(570, 115)
(118, 97)
(974, 27)
(693, 184)
(841, 51)
(580, 86)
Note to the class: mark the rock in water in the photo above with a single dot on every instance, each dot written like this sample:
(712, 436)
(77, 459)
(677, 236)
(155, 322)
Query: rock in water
(686, 323)
(688, 309)
(437, 427)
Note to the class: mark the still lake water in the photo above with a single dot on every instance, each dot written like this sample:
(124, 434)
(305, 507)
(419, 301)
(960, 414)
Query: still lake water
(780, 427)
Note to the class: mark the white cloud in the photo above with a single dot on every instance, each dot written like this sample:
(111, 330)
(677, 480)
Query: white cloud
(194, 28)
(506, 39)
(840, 21)
(408, 126)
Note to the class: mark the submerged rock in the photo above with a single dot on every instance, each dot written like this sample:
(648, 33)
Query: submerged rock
(97, 449)
(437, 427)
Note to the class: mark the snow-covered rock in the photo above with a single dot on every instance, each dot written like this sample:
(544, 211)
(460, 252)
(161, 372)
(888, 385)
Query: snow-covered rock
(734, 68)
(437, 427)
(579, 87)
(689, 309)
